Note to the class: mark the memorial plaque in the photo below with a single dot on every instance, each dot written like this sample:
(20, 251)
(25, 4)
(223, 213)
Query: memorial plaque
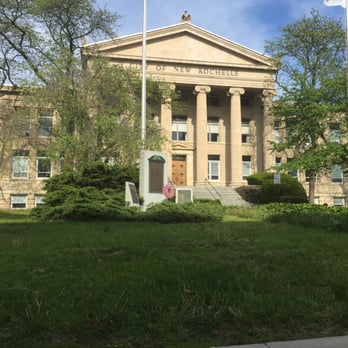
(183, 196)
(156, 174)
(131, 194)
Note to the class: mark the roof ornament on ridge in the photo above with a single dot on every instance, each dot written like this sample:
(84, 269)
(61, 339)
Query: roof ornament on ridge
(186, 17)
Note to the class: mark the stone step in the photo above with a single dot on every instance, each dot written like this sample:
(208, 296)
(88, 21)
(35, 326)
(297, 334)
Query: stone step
(226, 195)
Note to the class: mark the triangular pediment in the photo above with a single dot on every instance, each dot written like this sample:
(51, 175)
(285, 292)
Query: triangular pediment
(182, 43)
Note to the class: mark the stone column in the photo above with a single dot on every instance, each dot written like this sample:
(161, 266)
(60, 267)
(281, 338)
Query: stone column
(166, 124)
(258, 140)
(268, 131)
(201, 137)
(236, 177)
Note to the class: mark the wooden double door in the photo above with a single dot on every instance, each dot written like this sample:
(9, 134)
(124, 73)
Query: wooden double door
(179, 170)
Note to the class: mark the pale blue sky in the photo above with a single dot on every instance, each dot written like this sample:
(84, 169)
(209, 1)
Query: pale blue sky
(246, 22)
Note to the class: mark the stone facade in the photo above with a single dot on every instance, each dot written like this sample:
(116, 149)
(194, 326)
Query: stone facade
(222, 85)
(23, 163)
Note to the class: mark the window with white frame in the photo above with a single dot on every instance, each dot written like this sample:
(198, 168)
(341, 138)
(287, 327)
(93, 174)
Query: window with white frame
(20, 164)
(293, 172)
(179, 128)
(45, 123)
(307, 174)
(43, 165)
(213, 129)
(339, 201)
(316, 200)
(335, 133)
(336, 173)
(246, 166)
(22, 122)
(278, 161)
(245, 130)
(18, 201)
(276, 130)
(39, 200)
(214, 167)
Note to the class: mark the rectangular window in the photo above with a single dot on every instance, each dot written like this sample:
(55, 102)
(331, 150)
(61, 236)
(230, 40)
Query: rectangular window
(336, 174)
(213, 129)
(338, 201)
(335, 133)
(291, 131)
(276, 129)
(292, 172)
(246, 165)
(20, 164)
(179, 128)
(22, 122)
(316, 200)
(43, 165)
(278, 161)
(245, 130)
(214, 167)
(45, 123)
(18, 201)
(39, 200)
(307, 174)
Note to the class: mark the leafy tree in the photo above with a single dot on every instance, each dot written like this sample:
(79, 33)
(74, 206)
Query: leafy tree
(38, 36)
(311, 81)
(99, 116)
(96, 105)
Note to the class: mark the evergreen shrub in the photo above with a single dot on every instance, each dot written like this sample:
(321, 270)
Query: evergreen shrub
(289, 190)
(308, 215)
(95, 193)
(198, 211)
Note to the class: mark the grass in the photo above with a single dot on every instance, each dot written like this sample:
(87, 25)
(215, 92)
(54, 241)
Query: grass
(119, 284)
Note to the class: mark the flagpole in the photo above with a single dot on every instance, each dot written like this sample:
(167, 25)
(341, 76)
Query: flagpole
(346, 10)
(143, 82)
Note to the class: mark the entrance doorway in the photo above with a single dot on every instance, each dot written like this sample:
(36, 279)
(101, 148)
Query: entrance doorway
(179, 170)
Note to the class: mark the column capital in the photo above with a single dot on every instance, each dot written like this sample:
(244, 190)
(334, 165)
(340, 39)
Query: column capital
(235, 91)
(202, 89)
(269, 93)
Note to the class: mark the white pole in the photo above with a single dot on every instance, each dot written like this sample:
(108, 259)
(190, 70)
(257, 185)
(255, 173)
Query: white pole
(346, 8)
(143, 85)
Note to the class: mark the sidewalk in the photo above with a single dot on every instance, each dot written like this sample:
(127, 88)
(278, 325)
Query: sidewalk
(329, 342)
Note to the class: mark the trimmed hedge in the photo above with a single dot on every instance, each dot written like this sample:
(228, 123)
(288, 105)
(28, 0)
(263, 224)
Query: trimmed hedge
(289, 190)
(198, 211)
(309, 215)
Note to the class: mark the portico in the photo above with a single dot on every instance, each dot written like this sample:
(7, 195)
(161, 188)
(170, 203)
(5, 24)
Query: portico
(222, 132)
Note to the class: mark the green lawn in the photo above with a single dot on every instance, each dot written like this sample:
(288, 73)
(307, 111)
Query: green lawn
(131, 284)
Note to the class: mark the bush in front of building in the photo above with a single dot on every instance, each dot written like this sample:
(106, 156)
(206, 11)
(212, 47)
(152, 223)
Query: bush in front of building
(97, 192)
(289, 190)
(332, 219)
(83, 203)
(98, 174)
(198, 211)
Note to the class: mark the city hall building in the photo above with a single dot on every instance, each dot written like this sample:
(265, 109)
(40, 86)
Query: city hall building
(222, 133)
(220, 136)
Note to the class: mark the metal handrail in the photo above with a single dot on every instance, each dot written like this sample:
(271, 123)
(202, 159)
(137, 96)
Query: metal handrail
(212, 186)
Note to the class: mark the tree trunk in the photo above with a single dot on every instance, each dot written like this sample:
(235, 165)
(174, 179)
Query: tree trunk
(311, 193)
